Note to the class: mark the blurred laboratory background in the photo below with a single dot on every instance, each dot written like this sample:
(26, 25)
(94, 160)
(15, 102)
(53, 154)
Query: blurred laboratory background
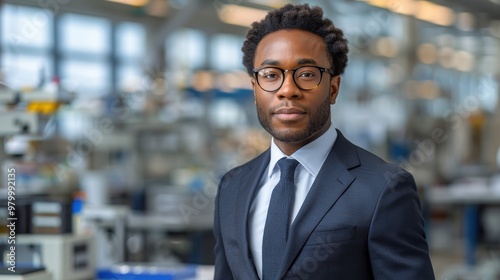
(118, 118)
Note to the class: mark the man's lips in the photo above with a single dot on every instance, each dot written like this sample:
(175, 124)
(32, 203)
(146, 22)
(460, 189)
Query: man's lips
(289, 113)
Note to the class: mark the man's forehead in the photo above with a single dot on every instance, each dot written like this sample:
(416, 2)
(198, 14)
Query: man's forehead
(299, 61)
(291, 46)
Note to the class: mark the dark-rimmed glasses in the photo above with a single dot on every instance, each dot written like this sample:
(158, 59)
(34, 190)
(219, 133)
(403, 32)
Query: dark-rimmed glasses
(305, 77)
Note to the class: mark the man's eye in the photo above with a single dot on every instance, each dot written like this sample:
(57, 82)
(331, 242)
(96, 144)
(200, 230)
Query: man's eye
(306, 75)
(269, 75)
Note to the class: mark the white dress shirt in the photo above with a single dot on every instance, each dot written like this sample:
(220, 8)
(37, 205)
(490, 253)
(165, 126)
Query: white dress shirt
(311, 158)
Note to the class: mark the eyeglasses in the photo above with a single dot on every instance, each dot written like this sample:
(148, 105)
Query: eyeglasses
(304, 77)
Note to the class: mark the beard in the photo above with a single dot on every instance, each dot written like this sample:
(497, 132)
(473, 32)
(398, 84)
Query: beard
(318, 119)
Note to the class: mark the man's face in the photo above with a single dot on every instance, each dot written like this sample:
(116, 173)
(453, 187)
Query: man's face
(291, 115)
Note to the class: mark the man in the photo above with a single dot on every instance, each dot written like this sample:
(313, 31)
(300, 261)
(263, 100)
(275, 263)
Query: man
(314, 205)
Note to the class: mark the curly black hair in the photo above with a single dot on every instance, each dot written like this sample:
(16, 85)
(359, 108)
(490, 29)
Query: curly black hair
(298, 17)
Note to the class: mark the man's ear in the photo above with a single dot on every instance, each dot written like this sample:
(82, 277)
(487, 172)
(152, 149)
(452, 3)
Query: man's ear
(253, 88)
(334, 88)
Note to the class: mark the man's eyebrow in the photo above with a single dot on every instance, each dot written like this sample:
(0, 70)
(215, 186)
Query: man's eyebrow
(301, 61)
(270, 62)
(306, 61)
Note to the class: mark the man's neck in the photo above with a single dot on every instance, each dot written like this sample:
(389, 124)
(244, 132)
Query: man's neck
(288, 148)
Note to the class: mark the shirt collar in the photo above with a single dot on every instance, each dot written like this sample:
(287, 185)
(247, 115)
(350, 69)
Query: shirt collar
(311, 156)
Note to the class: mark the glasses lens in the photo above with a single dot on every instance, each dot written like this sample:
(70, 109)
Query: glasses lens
(307, 77)
(270, 79)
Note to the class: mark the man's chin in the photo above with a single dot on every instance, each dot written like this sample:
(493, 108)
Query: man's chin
(289, 135)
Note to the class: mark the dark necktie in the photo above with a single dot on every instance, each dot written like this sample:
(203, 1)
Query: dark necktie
(278, 219)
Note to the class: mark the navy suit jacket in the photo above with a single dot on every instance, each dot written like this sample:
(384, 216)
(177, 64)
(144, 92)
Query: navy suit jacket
(361, 220)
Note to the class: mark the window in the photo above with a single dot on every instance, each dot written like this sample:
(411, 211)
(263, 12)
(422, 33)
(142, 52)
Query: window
(131, 40)
(25, 27)
(26, 38)
(130, 51)
(25, 70)
(85, 35)
(85, 47)
(225, 52)
(186, 50)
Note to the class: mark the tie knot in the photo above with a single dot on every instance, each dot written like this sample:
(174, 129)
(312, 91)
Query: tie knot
(287, 167)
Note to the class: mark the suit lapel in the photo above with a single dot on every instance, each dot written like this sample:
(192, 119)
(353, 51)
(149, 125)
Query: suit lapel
(246, 193)
(332, 180)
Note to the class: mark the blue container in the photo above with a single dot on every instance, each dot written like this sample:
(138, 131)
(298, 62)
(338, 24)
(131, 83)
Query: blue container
(147, 272)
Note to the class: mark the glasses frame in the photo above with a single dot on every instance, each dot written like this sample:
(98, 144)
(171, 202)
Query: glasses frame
(283, 71)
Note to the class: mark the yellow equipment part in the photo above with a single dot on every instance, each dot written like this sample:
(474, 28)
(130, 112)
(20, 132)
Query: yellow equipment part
(43, 107)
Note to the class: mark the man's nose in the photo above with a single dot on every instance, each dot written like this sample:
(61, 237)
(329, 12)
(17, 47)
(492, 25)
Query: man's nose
(289, 89)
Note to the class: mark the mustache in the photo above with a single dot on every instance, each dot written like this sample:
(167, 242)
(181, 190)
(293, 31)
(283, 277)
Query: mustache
(286, 104)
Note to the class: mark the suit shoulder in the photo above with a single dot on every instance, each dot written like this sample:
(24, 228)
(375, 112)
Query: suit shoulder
(368, 157)
(387, 170)
(367, 164)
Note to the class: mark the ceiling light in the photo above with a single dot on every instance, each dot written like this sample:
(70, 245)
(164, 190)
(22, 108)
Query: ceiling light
(387, 47)
(404, 7)
(463, 61)
(270, 3)
(422, 10)
(434, 13)
(427, 90)
(240, 15)
(158, 8)
(136, 3)
(427, 53)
